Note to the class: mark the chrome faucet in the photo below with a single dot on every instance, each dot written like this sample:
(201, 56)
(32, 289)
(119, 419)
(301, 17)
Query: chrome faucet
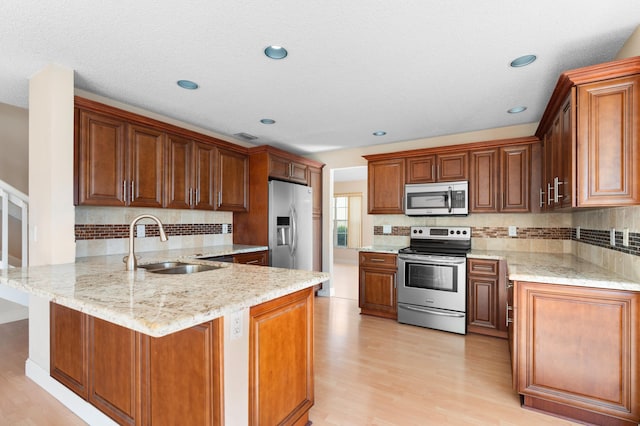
(131, 258)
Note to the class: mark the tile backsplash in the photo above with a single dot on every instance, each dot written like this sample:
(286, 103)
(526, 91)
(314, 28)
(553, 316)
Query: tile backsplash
(544, 232)
(105, 230)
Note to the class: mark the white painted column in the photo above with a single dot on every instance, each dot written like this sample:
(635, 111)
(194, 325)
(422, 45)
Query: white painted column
(51, 209)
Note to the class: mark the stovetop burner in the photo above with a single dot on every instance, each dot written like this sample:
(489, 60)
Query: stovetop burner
(439, 240)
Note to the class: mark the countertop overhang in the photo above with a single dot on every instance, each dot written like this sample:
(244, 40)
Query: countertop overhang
(157, 304)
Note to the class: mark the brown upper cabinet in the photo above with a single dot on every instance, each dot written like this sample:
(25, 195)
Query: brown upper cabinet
(282, 168)
(591, 137)
(386, 186)
(118, 163)
(124, 159)
(438, 168)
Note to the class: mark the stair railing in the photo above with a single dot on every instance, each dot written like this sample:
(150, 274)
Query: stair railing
(11, 195)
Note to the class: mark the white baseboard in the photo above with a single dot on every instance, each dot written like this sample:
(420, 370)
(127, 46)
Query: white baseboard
(73, 402)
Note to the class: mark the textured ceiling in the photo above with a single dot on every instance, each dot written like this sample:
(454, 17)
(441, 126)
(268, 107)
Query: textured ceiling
(413, 68)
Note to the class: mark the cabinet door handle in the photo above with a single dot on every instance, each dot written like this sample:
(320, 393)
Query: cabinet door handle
(197, 198)
(191, 196)
(549, 194)
(556, 184)
(132, 191)
(219, 198)
(508, 320)
(253, 262)
(541, 198)
(482, 268)
(124, 191)
(376, 259)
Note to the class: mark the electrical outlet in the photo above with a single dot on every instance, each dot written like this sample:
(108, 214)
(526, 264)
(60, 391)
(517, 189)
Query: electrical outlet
(140, 230)
(386, 229)
(513, 231)
(577, 232)
(625, 237)
(612, 237)
(236, 325)
(225, 228)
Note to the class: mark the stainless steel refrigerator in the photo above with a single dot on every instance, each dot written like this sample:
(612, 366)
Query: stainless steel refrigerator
(290, 226)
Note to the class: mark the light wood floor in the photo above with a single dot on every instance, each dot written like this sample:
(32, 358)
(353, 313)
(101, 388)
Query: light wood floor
(368, 371)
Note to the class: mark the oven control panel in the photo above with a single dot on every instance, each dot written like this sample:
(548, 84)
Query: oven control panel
(441, 233)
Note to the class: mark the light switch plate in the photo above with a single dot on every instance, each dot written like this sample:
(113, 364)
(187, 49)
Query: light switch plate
(140, 230)
(577, 232)
(236, 325)
(513, 231)
(386, 229)
(225, 228)
(625, 237)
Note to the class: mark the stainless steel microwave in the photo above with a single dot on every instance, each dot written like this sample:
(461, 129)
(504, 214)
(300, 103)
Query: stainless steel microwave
(436, 199)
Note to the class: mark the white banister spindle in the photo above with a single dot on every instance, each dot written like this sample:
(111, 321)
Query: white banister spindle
(4, 246)
(25, 234)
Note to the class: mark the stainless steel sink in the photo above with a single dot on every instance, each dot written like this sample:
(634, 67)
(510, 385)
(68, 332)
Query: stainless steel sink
(177, 268)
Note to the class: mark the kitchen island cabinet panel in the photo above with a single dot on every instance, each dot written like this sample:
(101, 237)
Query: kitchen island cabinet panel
(281, 390)
(182, 377)
(68, 353)
(578, 351)
(113, 371)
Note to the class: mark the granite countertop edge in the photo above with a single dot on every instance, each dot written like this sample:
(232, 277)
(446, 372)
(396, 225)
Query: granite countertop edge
(158, 304)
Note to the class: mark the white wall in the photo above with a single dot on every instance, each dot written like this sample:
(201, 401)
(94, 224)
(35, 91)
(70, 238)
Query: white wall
(14, 146)
(631, 47)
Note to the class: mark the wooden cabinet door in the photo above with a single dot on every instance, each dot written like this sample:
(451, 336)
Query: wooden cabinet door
(486, 298)
(608, 141)
(232, 180)
(578, 350)
(68, 348)
(100, 157)
(378, 292)
(113, 377)
(286, 169)
(567, 155)
(453, 166)
(182, 377)
(386, 186)
(146, 166)
(281, 360)
(483, 184)
(178, 187)
(260, 258)
(203, 176)
(421, 169)
(315, 182)
(515, 177)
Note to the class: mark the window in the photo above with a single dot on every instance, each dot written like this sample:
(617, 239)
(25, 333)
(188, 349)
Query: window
(347, 214)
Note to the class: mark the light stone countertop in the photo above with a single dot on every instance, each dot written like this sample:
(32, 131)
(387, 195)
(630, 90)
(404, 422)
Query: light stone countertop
(556, 268)
(382, 249)
(159, 304)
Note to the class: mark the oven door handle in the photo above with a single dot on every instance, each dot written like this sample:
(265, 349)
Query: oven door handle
(429, 311)
(449, 199)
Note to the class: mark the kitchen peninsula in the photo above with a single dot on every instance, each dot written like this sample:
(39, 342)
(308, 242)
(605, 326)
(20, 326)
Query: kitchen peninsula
(233, 345)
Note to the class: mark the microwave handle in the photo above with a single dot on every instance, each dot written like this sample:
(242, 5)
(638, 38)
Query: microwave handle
(450, 204)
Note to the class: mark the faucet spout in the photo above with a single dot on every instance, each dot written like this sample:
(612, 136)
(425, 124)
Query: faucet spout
(131, 261)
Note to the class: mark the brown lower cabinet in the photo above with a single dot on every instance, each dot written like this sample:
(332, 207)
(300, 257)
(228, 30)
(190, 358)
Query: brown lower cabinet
(486, 297)
(260, 258)
(378, 289)
(136, 379)
(577, 352)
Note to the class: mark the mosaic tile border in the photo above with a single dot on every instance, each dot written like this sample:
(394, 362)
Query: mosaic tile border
(594, 237)
(115, 231)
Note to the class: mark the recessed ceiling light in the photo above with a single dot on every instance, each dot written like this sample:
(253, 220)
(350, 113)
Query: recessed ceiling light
(523, 61)
(379, 133)
(188, 84)
(276, 52)
(267, 121)
(516, 110)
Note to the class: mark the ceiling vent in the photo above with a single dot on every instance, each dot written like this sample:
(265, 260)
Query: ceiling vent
(246, 136)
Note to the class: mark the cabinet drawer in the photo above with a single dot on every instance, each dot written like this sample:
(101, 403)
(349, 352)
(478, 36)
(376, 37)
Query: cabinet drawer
(255, 258)
(483, 267)
(380, 260)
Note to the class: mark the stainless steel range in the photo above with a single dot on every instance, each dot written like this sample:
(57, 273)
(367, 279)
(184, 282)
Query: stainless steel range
(432, 278)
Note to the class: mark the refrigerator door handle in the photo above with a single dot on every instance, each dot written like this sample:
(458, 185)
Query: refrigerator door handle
(294, 230)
